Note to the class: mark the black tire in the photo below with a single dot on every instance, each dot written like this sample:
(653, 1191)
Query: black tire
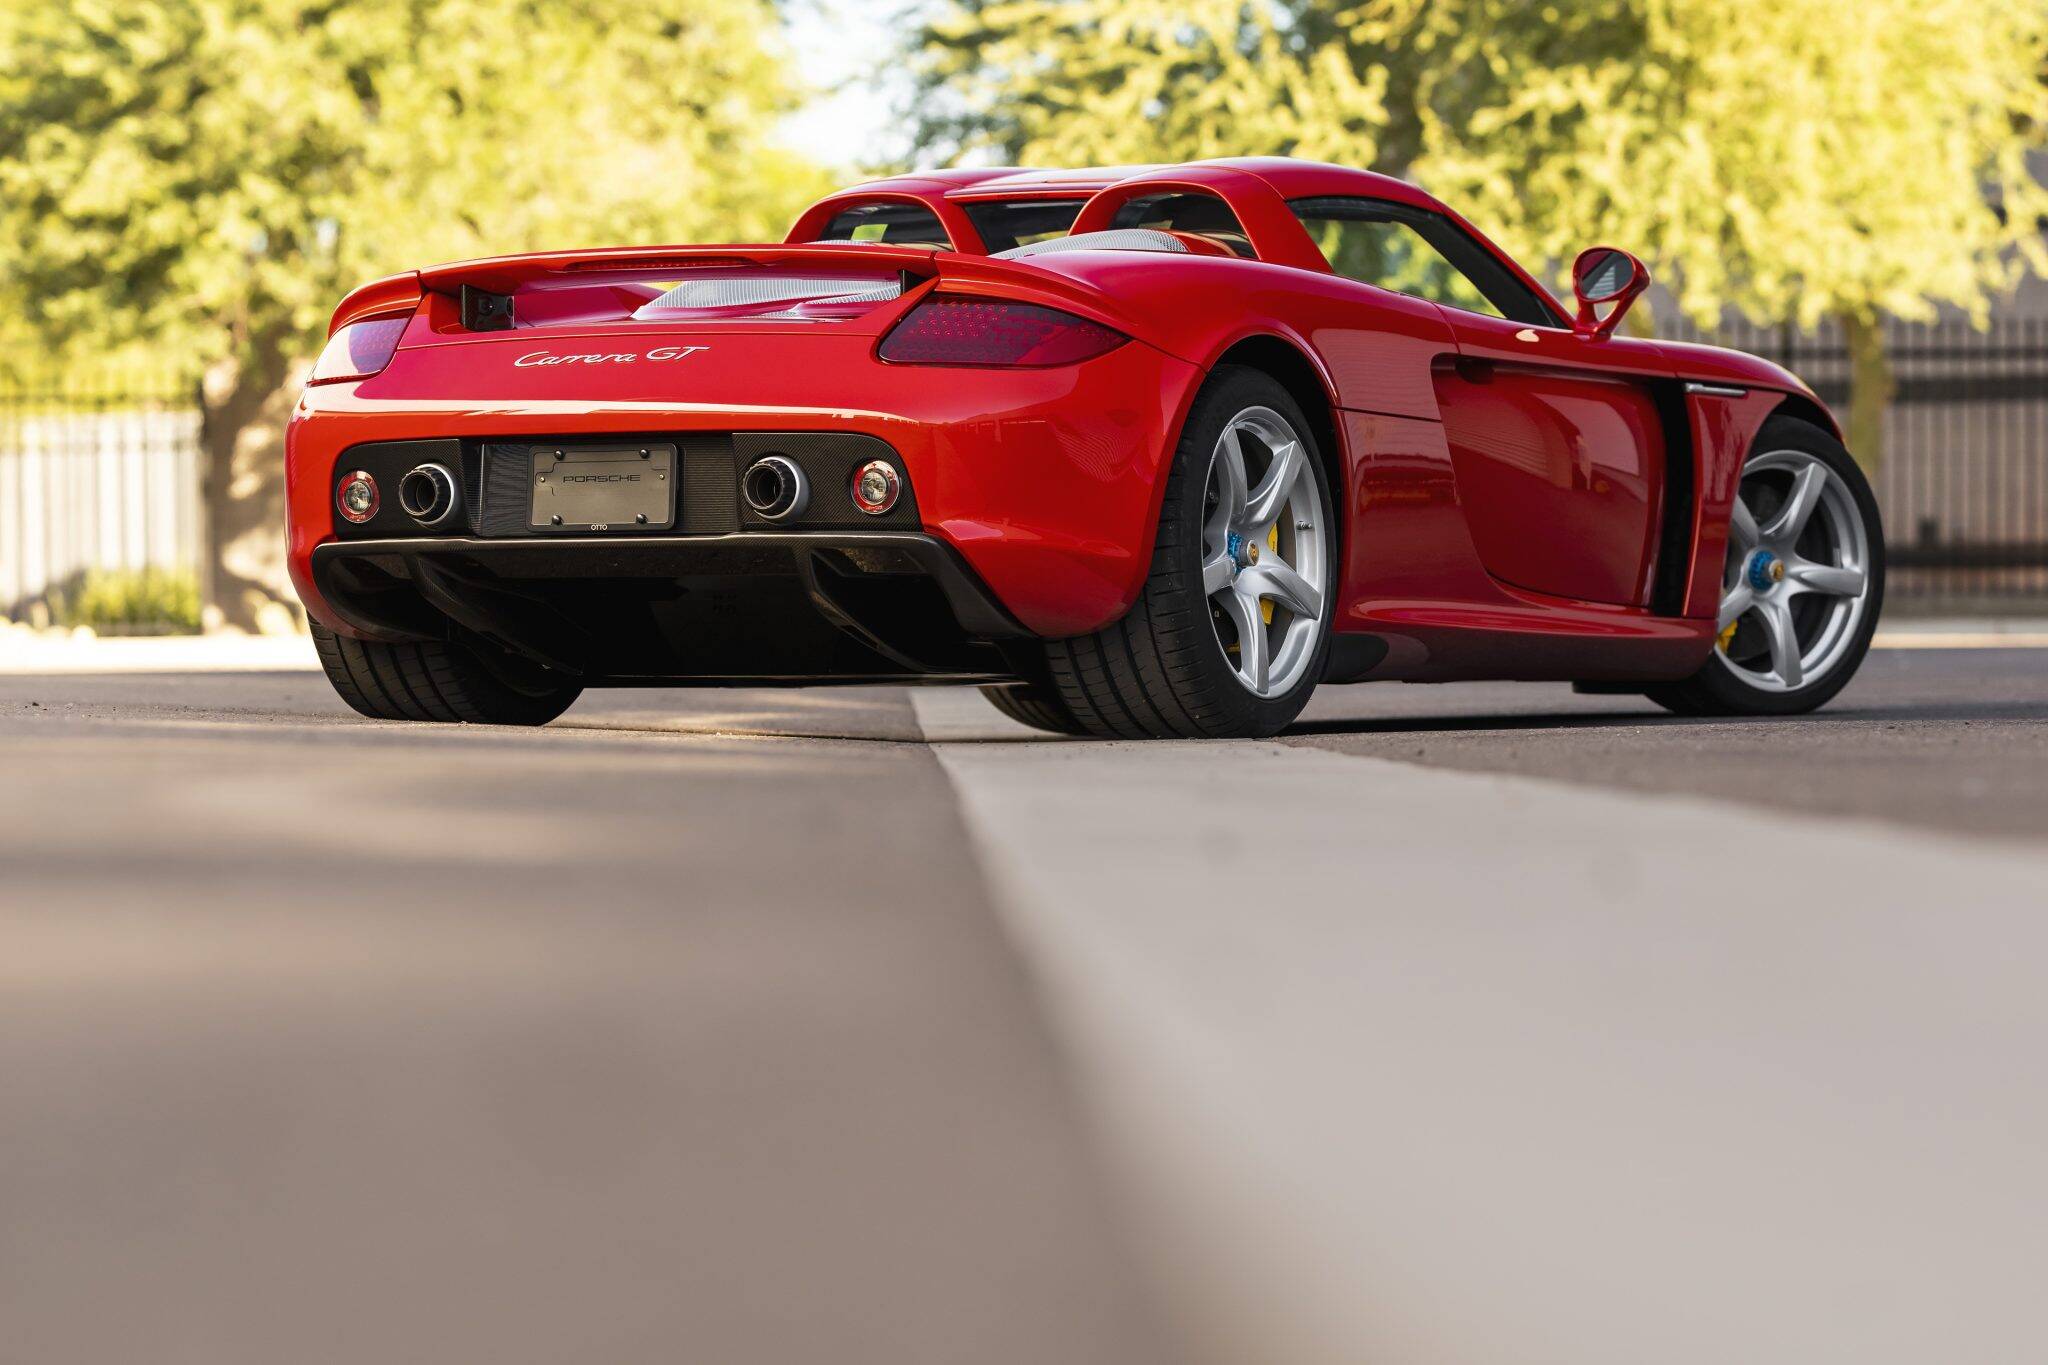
(433, 680)
(1029, 704)
(1161, 671)
(1717, 689)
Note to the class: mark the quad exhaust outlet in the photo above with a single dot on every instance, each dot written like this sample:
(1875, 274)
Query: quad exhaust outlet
(430, 494)
(775, 487)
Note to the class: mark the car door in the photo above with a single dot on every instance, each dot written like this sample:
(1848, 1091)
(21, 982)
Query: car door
(1556, 445)
(1559, 453)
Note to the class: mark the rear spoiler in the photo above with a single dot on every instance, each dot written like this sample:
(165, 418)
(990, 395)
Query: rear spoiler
(486, 287)
(505, 274)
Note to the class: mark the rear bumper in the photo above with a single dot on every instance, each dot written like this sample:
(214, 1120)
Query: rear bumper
(752, 608)
(1043, 483)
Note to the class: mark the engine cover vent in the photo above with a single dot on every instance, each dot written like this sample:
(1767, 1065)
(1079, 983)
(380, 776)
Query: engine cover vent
(1115, 239)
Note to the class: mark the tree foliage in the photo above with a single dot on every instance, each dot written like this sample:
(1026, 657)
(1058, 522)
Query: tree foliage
(1791, 159)
(1107, 82)
(207, 177)
(1794, 159)
(211, 169)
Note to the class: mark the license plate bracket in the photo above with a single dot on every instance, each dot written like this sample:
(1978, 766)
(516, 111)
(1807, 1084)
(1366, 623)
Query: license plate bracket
(627, 487)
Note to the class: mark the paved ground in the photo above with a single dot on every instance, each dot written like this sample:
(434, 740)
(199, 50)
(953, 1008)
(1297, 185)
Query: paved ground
(854, 1026)
(1948, 739)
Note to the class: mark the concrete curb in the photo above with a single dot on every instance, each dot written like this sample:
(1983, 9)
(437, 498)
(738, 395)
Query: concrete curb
(28, 651)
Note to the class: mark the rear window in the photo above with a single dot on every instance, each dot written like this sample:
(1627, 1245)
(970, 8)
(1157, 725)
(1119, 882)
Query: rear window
(894, 224)
(1006, 224)
(1200, 215)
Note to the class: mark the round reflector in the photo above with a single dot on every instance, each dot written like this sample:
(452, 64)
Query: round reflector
(356, 497)
(876, 486)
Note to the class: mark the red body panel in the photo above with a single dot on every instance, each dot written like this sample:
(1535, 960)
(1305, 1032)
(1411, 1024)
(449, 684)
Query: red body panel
(1276, 234)
(926, 190)
(1723, 427)
(1560, 453)
(1713, 365)
(1562, 477)
(1044, 480)
(392, 294)
(1504, 488)
(1422, 586)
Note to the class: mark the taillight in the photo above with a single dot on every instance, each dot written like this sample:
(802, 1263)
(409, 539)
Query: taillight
(358, 350)
(950, 331)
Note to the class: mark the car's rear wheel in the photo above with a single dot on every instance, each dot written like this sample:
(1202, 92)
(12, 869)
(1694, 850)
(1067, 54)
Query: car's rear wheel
(436, 680)
(1032, 705)
(1803, 585)
(1230, 633)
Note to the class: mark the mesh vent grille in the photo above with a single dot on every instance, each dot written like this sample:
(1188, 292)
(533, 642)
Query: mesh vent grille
(755, 289)
(1116, 239)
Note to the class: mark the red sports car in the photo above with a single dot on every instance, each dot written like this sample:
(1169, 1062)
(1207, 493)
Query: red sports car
(1143, 452)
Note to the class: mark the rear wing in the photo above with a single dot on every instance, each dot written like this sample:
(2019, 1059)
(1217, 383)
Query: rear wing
(503, 292)
(505, 274)
(483, 290)
(486, 290)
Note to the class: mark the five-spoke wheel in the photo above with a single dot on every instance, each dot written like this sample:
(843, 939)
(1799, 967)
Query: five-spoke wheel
(1797, 570)
(1803, 583)
(1265, 562)
(1231, 630)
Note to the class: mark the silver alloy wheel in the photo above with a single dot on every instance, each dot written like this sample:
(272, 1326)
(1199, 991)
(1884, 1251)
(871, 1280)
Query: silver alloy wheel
(1265, 551)
(1797, 581)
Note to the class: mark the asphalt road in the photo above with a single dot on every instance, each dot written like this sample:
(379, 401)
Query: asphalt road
(1955, 740)
(1469, 1023)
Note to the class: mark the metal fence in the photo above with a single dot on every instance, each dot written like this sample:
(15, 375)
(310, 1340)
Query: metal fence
(1963, 477)
(107, 476)
(94, 476)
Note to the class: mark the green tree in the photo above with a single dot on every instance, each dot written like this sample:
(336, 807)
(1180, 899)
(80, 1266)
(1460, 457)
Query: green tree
(1106, 82)
(1794, 160)
(207, 177)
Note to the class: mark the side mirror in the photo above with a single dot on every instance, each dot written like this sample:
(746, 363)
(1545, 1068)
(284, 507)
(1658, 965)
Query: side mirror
(1605, 277)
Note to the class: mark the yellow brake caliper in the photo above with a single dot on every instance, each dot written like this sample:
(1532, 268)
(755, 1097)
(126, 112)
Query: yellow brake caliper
(1273, 544)
(1265, 603)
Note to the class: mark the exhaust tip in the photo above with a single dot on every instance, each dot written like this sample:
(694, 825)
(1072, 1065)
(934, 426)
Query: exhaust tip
(775, 487)
(430, 494)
